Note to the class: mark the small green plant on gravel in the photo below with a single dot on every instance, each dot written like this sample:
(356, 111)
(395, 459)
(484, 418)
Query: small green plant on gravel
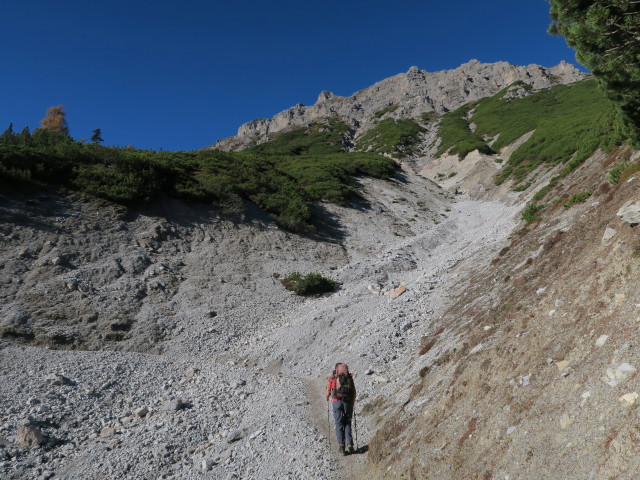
(615, 172)
(309, 284)
(530, 213)
(629, 172)
(577, 198)
(523, 186)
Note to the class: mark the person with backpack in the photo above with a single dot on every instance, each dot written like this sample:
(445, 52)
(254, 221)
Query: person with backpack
(341, 390)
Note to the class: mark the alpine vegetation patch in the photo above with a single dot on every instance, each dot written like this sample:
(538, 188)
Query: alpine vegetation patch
(530, 213)
(309, 284)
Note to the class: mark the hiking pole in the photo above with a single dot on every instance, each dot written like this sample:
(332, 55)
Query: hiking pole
(355, 426)
(328, 424)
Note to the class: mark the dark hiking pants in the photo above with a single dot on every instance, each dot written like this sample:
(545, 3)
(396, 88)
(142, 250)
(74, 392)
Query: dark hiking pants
(342, 413)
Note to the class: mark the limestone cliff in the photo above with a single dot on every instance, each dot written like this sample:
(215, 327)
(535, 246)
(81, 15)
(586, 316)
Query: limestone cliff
(405, 95)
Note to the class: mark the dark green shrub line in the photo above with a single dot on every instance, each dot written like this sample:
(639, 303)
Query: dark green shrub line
(522, 187)
(310, 284)
(322, 137)
(283, 185)
(577, 198)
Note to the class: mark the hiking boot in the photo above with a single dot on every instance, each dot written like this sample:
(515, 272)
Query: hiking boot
(342, 450)
(350, 449)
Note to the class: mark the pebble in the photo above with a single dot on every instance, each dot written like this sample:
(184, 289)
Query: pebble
(141, 412)
(207, 464)
(379, 379)
(602, 339)
(562, 365)
(173, 405)
(629, 399)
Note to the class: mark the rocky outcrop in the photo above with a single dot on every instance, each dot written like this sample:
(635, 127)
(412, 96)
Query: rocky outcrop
(630, 212)
(411, 94)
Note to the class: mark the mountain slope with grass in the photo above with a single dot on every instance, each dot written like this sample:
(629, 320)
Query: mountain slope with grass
(176, 314)
(408, 95)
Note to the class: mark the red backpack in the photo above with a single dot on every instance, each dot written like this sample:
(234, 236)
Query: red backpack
(343, 388)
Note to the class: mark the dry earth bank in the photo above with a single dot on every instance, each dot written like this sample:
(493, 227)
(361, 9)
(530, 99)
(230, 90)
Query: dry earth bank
(531, 371)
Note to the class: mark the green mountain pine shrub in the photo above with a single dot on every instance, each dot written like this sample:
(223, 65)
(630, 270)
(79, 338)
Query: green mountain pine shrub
(569, 122)
(283, 178)
(310, 284)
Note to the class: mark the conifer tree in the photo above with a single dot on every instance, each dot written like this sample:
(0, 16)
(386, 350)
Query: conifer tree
(24, 138)
(55, 120)
(97, 136)
(8, 137)
(606, 37)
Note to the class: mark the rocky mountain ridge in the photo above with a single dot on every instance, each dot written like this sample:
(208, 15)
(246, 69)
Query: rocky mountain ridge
(405, 95)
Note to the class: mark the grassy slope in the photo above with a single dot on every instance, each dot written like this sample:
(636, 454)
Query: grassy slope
(283, 177)
(394, 137)
(569, 123)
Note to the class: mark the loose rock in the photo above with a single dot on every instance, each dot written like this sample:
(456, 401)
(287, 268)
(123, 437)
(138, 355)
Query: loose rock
(29, 436)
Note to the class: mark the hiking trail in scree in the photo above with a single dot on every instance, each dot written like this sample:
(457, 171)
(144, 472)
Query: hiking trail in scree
(235, 387)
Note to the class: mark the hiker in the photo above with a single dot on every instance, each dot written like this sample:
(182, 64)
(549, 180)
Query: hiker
(342, 391)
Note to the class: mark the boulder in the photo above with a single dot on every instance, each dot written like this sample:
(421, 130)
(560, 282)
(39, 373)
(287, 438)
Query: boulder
(630, 212)
(29, 436)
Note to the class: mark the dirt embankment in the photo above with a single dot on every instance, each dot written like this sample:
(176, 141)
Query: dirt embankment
(541, 381)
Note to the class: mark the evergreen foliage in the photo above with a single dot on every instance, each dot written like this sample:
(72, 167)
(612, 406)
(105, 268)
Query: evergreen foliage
(282, 184)
(605, 35)
(569, 122)
(318, 138)
(310, 284)
(97, 136)
(530, 213)
(616, 172)
(577, 198)
(457, 137)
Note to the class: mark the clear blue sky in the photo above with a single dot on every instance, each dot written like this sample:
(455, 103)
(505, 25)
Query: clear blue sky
(179, 75)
